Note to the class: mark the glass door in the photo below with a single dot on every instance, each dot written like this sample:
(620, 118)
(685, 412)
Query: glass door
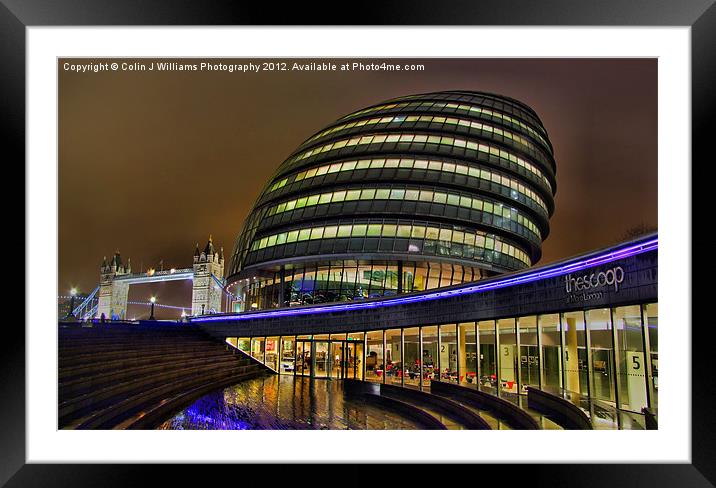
(303, 358)
(337, 361)
(353, 365)
(288, 355)
(358, 363)
(321, 363)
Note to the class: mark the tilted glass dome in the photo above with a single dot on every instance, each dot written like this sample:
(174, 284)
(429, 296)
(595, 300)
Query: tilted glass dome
(412, 193)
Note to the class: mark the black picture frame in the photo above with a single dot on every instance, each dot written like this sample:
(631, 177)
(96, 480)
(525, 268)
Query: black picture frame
(17, 15)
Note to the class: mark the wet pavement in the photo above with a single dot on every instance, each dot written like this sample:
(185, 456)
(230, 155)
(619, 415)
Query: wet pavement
(284, 402)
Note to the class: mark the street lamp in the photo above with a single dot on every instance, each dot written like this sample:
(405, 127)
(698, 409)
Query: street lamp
(71, 312)
(151, 314)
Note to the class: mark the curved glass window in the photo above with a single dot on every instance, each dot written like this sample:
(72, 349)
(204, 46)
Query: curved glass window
(474, 109)
(423, 139)
(454, 199)
(399, 120)
(476, 243)
(514, 186)
(503, 104)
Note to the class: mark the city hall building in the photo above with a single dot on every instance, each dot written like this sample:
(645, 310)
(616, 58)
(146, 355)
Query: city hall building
(399, 245)
(411, 194)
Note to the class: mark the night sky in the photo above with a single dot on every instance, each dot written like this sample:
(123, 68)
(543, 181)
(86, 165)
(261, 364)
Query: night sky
(150, 163)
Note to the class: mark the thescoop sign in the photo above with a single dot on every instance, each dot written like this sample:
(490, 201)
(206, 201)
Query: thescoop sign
(611, 278)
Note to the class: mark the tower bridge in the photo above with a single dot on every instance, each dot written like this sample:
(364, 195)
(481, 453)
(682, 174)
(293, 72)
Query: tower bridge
(110, 298)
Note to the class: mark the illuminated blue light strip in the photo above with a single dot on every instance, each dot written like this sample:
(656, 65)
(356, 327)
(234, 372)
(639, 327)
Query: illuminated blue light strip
(519, 279)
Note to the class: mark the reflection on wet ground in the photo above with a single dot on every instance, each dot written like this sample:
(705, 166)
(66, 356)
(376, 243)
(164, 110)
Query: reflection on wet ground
(284, 402)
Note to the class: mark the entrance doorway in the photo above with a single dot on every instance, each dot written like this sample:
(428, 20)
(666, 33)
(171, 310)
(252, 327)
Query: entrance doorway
(335, 359)
(320, 359)
(303, 358)
(353, 360)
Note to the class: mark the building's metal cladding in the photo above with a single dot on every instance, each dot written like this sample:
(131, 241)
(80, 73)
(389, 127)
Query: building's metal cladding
(412, 193)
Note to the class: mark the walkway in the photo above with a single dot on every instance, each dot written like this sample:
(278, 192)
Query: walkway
(284, 402)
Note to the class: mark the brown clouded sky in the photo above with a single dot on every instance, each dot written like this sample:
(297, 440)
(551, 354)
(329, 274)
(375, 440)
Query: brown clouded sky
(152, 162)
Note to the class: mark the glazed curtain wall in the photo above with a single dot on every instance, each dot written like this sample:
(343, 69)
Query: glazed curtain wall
(347, 281)
(605, 354)
(455, 176)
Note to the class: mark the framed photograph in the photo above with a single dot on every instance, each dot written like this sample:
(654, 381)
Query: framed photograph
(242, 234)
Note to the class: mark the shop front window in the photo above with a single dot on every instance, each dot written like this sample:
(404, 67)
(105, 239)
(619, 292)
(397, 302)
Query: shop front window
(600, 338)
(338, 356)
(631, 361)
(551, 352)
(430, 355)
(303, 355)
(355, 359)
(244, 344)
(393, 357)
(336, 369)
(411, 355)
(374, 361)
(288, 355)
(529, 353)
(575, 353)
(271, 356)
(448, 353)
(507, 359)
(651, 322)
(257, 348)
(487, 365)
(320, 356)
(467, 353)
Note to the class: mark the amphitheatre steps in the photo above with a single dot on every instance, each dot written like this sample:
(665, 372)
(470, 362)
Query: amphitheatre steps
(135, 375)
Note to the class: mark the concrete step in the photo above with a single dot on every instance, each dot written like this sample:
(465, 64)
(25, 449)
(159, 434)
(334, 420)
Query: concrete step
(101, 356)
(85, 384)
(99, 333)
(108, 376)
(499, 408)
(116, 392)
(98, 329)
(111, 416)
(79, 348)
(453, 415)
(494, 422)
(420, 415)
(152, 416)
(88, 369)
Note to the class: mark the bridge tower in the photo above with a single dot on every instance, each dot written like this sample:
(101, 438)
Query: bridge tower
(113, 294)
(206, 292)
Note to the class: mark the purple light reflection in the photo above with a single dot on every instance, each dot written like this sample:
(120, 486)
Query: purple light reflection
(518, 279)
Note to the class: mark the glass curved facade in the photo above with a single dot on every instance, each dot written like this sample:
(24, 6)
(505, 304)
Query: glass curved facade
(413, 193)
